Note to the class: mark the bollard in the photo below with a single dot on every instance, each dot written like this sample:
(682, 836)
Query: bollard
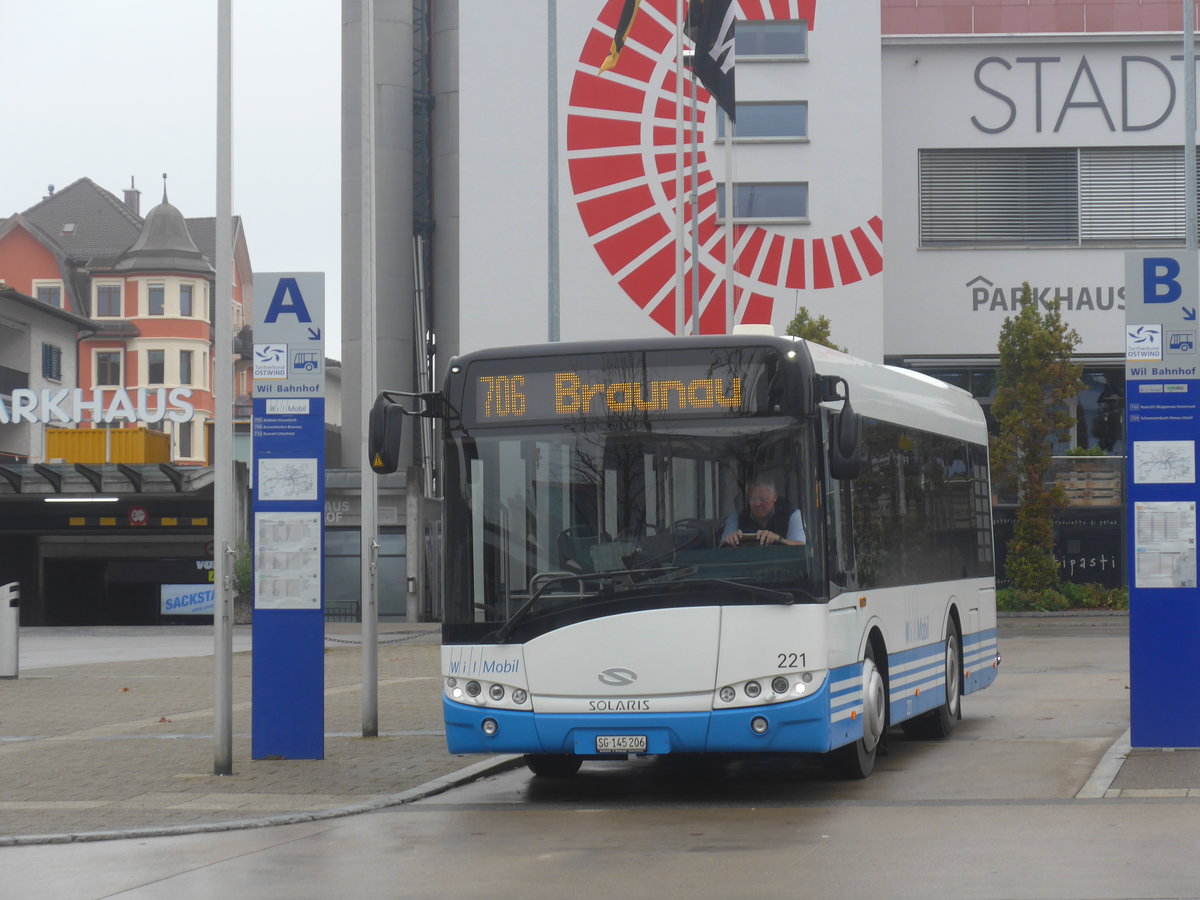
(10, 609)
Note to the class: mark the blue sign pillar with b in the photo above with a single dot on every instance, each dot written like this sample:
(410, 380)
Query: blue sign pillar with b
(1162, 396)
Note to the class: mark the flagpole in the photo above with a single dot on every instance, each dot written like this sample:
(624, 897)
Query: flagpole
(552, 267)
(694, 197)
(729, 214)
(680, 327)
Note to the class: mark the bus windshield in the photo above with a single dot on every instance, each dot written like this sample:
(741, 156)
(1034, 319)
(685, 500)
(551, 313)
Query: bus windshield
(560, 524)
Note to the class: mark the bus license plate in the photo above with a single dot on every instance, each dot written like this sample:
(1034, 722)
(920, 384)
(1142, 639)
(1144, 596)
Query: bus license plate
(621, 743)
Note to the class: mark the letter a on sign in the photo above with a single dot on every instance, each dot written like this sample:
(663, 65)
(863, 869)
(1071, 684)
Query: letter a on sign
(285, 290)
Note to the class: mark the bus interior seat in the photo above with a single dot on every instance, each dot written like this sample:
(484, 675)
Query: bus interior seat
(575, 545)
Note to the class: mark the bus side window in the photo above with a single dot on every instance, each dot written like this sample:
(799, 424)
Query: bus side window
(841, 534)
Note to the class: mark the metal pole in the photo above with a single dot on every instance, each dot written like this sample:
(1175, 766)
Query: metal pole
(680, 327)
(552, 274)
(1189, 118)
(223, 511)
(369, 527)
(729, 216)
(695, 212)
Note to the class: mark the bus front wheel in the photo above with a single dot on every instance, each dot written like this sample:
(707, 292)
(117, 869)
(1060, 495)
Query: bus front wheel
(857, 760)
(553, 765)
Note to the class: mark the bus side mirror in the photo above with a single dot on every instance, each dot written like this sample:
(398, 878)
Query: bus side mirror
(385, 426)
(845, 460)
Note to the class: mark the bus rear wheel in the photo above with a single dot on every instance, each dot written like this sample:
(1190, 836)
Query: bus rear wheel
(857, 760)
(938, 723)
(553, 765)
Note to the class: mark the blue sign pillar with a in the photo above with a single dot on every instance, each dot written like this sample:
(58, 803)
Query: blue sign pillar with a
(288, 689)
(1162, 384)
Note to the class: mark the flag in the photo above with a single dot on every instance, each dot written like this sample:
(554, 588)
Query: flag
(710, 25)
(618, 43)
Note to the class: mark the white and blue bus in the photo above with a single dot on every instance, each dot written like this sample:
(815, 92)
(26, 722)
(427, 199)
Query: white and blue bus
(608, 593)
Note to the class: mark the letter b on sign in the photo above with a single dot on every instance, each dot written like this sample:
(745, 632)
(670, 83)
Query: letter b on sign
(1160, 279)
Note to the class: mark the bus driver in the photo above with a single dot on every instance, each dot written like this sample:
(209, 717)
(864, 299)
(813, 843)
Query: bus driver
(765, 521)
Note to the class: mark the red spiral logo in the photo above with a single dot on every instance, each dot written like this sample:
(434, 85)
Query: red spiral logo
(621, 162)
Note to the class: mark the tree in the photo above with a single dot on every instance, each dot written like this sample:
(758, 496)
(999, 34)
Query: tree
(810, 329)
(1035, 382)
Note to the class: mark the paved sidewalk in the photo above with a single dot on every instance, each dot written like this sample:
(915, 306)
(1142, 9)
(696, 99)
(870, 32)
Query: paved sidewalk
(125, 747)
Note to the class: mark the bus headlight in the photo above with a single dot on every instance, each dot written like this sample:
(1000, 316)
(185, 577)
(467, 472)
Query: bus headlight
(779, 684)
(489, 726)
(753, 689)
(496, 692)
(519, 696)
(473, 688)
(728, 695)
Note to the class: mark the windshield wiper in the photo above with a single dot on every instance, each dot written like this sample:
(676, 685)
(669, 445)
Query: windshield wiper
(501, 634)
(783, 598)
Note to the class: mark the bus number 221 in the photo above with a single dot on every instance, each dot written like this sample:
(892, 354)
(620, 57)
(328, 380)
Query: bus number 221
(790, 660)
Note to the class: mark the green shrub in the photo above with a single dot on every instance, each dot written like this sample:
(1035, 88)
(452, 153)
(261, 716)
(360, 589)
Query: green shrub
(1065, 596)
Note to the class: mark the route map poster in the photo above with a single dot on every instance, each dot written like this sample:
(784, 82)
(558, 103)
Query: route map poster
(1164, 462)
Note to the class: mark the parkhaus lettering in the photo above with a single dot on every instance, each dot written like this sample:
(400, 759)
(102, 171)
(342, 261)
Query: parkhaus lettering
(67, 406)
(986, 296)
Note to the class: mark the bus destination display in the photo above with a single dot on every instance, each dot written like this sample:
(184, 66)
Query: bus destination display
(516, 396)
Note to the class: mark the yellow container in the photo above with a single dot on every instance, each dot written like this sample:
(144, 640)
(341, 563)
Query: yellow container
(96, 446)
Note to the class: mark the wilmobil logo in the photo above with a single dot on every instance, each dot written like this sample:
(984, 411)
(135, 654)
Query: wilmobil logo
(471, 662)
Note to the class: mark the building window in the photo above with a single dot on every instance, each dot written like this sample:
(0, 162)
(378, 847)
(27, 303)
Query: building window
(157, 300)
(185, 366)
(1131, 194)
(185, 439)
(108, 301)
(108, 368)
(766, 201)
(51, 362)
(49, 293)
(1073, 196)
(777, 39)
(185, 300)
(780, 121)
(155, 366)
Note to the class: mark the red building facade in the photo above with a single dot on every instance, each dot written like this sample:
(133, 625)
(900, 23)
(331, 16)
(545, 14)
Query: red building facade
(147, 285)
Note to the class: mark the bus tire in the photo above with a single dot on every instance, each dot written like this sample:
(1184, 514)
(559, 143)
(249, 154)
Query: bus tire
(857, 760)
(552, 765)
(938, 723)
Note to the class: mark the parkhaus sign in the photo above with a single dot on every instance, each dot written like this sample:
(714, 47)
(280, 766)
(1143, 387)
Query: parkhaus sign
(987, 296)
(70, 406)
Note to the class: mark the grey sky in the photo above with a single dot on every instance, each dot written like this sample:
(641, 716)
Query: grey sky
(113, 89)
